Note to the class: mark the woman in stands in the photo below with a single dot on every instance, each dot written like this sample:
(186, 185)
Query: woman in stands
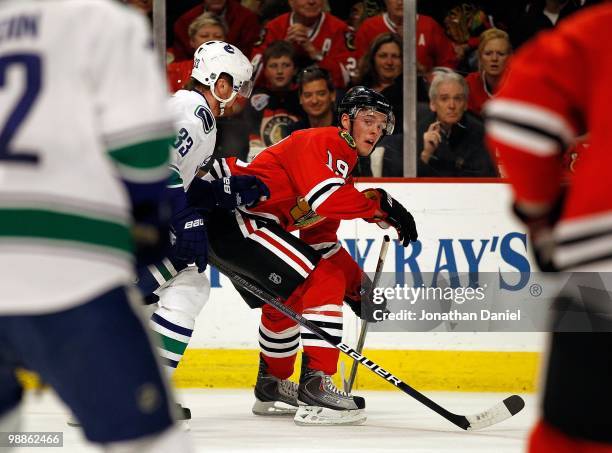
(206, 27)
(493, 55)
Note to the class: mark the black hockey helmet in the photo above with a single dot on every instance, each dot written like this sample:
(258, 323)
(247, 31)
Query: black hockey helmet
(361, 97)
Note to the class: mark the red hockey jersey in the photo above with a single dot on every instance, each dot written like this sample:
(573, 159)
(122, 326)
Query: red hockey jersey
(433, 46)
(308, 174)
(178, 73)
(558, 86)
(330, 35)
(479, 92)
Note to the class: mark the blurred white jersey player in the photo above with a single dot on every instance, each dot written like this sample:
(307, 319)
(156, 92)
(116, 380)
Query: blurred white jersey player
(221, 72)
(84, 146)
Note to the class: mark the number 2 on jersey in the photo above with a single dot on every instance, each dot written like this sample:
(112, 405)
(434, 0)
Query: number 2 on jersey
(30, 66)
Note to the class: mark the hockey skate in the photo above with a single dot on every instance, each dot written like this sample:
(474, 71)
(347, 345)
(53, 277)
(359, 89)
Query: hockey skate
(321, 403)
(274, 396)
(182, 413)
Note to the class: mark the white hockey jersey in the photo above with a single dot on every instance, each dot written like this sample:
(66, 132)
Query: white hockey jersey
(196, 136)
(79, 84)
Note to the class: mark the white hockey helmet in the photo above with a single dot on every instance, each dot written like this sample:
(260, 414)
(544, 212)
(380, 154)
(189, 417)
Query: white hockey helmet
(213, 58)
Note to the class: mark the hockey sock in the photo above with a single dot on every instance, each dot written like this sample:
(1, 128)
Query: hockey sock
(322, 304)
(152, 277)
(321, 355)
(174, 331)
(279, 349)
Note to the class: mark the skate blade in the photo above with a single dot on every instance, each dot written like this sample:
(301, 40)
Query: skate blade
(315, 415)
(73, 422)
(273, 408)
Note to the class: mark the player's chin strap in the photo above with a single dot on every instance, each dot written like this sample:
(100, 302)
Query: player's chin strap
(222, 102)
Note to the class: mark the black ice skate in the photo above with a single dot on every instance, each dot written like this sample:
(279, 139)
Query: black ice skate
(274, 396)
(182, 413)
(321, 403)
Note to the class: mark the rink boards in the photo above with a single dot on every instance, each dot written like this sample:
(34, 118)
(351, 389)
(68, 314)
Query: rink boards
(451, 218)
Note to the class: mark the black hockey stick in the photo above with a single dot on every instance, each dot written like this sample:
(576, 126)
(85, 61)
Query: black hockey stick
(348, 385)
(498, 413)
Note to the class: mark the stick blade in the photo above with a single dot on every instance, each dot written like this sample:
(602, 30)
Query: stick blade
(498, 413)
(514, 404)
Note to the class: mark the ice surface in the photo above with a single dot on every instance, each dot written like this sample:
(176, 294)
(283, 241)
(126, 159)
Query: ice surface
(222, 422)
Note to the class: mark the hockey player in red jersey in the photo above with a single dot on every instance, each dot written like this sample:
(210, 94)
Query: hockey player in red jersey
(556, 90)
(317, 36)
(311, 190)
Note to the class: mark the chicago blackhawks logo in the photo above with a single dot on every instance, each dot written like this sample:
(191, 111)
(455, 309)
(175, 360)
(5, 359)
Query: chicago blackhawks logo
(276, 127)
(349, 40)
(348, 139)
(302, 215)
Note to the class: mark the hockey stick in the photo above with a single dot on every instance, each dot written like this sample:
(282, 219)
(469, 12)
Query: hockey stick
(348, 385)
(500, 412)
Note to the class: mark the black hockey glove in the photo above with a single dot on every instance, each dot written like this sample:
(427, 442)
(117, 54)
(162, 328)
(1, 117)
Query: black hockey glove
(227, 193)
(370, 306)
(394, 214)
(541, 233)
(189, 239)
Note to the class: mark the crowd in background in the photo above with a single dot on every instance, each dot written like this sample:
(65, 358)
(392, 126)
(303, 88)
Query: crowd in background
(306, 53)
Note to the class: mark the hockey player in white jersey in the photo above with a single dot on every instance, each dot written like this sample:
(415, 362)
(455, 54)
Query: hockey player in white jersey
(221, 72)
(84, 144)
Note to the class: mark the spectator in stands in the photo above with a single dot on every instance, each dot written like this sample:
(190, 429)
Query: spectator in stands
(206, 27)
(274, 107)
(356, 15)
(382, 64)
(494, 51)
(433, 46)
(450, 141)
(464, 24)
(381, 69)
(317, 97)
(242, 26)
(319, 37)
(541, 15)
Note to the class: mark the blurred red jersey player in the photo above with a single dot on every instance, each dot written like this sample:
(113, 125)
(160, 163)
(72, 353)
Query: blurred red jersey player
(559, 86)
